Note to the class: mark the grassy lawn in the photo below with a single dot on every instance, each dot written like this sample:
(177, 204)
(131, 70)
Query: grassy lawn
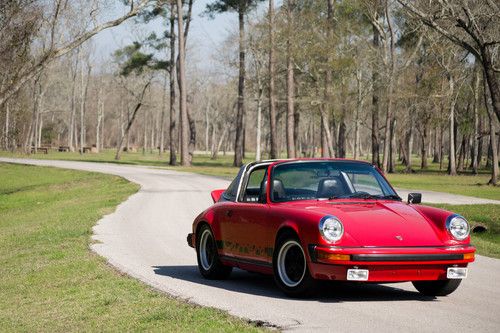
(474, 186)
(51, 281)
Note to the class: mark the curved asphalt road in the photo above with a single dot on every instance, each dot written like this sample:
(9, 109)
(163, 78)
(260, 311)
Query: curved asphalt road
(146, 238)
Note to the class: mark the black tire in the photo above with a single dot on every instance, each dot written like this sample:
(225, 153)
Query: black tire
(291, 273)
(209, 263)
(438, 287)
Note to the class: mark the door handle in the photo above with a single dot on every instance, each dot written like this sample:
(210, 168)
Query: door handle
(229, 213)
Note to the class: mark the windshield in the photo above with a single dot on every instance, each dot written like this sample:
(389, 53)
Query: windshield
(328, 180)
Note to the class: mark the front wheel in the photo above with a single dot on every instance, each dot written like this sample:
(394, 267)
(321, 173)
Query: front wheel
(290, 267)
(208, 258)
(437, 288)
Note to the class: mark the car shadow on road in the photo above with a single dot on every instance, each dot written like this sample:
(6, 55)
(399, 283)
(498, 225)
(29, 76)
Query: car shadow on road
(263, 285)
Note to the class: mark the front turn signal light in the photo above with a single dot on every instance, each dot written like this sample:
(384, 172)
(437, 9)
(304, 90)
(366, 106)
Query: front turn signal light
(334, 256)
(468, 256)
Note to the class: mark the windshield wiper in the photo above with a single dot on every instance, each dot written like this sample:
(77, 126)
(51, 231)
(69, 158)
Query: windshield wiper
(392, 197)
(357, 195)
(364, 195)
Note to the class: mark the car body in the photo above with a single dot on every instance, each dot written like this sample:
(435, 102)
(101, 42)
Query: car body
(329, 219)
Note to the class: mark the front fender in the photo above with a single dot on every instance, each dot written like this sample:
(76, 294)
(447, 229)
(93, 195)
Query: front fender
(437, 218)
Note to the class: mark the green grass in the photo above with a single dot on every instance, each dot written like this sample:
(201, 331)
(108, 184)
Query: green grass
(474, 186)
(429, 179)
(51, 281)
(487, 243)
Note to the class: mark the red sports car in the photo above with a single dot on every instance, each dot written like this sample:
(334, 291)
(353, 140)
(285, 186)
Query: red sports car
(327, 219)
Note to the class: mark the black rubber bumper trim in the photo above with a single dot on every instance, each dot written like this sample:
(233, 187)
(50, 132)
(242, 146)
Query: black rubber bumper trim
(406, 257)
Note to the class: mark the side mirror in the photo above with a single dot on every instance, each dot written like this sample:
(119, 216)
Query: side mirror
(414, 198)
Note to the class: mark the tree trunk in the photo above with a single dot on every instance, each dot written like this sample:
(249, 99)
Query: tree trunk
(100, 116)
(480, 143)
(461, 154)
(172, 125)
(7, 127)
(392, 152)
(207, 125)
(215, 152)
(72, 119)
(376, 98)
(390, 91)
(259, 124)
(359, 109)
(375, 105)
(272, 98)
(296, 133)
(83, 101)
(327, 149)
(238, 143)
(476, 135)
(491, 78)
(290, 88)
(423, 148)
(435, 158)
(493, 138)
(131, 121)
(342, 141)
(161, 134)
(182, 88)
(192, 135)
(452, 169)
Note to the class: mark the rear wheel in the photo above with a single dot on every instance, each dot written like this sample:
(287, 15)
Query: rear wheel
(208, 258)
(437, 288)
(290, 267)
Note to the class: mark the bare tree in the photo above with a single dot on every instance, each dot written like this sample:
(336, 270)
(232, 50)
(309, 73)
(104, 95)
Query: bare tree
(272, 98)
(54, 51)
(472, 25)
(132, 118)
(290, 84)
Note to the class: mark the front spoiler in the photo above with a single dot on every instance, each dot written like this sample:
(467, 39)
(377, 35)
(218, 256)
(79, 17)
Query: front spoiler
(388, 264)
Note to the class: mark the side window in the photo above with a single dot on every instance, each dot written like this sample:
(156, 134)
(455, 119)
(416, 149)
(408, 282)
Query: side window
(232, 190)
(254, 184)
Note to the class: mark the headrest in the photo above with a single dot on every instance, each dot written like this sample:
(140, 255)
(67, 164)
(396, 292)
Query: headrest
(330, 187)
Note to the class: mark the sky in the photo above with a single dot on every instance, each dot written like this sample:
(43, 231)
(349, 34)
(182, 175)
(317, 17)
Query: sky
(205, 33)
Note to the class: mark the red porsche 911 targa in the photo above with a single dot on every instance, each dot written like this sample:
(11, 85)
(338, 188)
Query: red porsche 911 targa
(327, 219)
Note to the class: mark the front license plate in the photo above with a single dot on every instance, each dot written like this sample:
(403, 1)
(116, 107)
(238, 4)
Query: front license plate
(456, 273)
(357, 275)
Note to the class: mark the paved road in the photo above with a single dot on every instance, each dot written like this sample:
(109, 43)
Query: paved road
(145, 238)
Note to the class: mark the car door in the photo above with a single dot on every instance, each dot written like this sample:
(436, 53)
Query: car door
(246, 224)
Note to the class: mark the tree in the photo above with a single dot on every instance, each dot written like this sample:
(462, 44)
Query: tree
(54, 51)
(472, 25)
(290, 84)
(182, 87)
(242, 7)
(134, 63)
(272, 98)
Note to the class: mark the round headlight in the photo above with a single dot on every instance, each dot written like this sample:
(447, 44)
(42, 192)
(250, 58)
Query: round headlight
(331, 228)
(458, 227)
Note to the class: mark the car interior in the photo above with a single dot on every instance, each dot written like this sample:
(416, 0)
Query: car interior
(327, 188)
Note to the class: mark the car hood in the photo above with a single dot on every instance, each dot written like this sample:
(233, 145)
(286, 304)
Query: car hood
(380, 223)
